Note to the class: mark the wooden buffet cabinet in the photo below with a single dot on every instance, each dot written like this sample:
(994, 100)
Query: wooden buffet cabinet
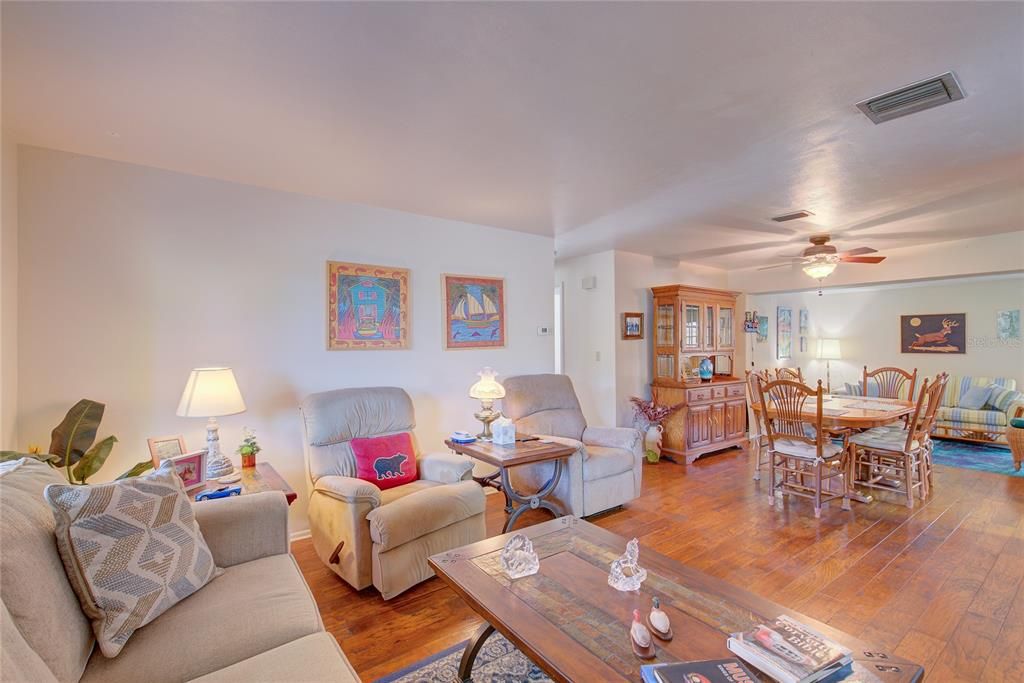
(690, 324)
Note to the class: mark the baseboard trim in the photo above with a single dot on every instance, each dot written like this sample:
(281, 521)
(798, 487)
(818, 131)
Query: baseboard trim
(298, 535)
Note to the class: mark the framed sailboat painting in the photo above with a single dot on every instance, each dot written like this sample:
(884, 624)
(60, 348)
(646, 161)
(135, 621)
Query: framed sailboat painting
(474, 310)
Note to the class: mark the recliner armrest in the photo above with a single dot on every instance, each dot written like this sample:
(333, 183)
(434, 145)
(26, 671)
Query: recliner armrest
(444, 468)
(348, 490)
(626, 438)
(244, 528)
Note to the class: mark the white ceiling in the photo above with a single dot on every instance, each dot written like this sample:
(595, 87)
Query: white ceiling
(665, 129)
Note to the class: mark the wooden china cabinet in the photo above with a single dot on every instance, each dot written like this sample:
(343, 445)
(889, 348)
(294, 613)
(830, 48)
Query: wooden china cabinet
(691, 324)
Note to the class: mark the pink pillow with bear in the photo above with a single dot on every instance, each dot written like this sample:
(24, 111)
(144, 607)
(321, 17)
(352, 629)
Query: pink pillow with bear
(386, 461)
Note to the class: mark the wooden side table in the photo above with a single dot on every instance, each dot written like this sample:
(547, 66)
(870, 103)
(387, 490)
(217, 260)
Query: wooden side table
(513, 455)
(263, 477)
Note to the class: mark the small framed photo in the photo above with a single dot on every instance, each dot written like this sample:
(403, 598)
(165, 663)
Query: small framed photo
(163, 447)
(632, 325)
(191, 467)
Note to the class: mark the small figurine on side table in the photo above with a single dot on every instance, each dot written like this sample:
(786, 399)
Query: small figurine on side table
(658, 621)
(640, 637)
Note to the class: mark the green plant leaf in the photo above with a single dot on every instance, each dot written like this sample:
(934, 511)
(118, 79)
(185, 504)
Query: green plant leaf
(14, 455)
(76, 433)
(93, 460)
(138, 469)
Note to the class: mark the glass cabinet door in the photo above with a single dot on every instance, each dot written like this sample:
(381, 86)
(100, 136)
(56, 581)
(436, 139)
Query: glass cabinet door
(691, 326)
(665, 325)
(666, 366)
(710, 321)
(726, 327)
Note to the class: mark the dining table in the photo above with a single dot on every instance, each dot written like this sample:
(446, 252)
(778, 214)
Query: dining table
(844, 415)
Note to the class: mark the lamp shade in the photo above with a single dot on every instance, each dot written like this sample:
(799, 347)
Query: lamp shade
(828, 349)
(487, 387)
(820, 268)
(211, 392)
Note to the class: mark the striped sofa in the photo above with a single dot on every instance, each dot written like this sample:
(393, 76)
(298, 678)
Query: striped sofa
(954, 422)
(987, 424)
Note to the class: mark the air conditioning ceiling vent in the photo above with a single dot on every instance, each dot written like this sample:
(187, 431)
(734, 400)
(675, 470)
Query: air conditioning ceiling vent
(912, 98)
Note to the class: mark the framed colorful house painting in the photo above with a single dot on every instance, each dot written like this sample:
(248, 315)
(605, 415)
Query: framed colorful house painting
(474, 311)
(367, 306)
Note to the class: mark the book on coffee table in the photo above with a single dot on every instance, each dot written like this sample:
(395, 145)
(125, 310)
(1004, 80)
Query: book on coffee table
(789, 651)
(710, 670)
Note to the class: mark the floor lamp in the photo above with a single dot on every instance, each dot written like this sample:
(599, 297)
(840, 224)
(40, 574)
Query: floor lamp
(828, 350)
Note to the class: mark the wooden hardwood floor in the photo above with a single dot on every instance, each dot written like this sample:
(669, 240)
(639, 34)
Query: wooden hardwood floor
(940, 584)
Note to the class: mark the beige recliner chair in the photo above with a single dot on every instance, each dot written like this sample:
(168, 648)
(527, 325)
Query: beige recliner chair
(366, 535)
(606, 469)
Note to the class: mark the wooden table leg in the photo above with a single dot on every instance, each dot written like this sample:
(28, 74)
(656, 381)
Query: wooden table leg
(471, 651)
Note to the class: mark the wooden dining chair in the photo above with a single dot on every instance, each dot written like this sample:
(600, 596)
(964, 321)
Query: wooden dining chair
(795, 374)
(794, 455)
(758, 440)
(897, 458)
(890, 382)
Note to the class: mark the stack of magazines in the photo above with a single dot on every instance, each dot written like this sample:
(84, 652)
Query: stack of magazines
(790, 652)
(711, 671)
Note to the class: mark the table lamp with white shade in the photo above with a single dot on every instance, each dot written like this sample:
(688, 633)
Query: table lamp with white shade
(828, 350)
(212, 393)
(487, 390)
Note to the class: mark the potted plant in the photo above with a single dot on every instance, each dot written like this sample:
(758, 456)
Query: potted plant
(648, 415)
(249, 448)
(73, 448)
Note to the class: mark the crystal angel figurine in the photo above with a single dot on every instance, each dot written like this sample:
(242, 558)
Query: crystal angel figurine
(518, 559)
(626, 573)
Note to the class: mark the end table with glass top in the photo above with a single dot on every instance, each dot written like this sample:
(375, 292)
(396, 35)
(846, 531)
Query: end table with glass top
(525, 451)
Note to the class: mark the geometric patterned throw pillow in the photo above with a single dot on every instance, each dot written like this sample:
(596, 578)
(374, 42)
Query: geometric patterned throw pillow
(131, 549)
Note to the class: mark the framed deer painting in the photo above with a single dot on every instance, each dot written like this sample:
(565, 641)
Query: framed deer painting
(933, 333)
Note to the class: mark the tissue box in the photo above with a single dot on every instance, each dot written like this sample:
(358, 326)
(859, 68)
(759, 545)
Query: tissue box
(503, 431)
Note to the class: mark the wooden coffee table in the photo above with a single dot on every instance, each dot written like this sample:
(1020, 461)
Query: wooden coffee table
(513, 455)
(575, 627)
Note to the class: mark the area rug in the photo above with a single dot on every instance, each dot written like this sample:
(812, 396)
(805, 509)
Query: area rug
(975, 456)
(498, 662)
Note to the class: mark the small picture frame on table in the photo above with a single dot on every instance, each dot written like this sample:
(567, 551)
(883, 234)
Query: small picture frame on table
(632, 325)
(191, 467)
(163, 447)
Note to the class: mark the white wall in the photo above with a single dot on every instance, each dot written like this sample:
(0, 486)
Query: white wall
(8, 293)
(131, 276)
(867, 321)
(589, 329)
(635, 274)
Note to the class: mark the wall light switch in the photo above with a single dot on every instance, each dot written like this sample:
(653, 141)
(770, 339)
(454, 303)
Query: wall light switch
(543, 330)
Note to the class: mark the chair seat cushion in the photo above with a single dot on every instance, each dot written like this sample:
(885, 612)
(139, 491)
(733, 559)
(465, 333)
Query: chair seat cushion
(806, 451)
(1017, 423)
(311, 659)
(386, 461)
(884, 438)
(423, 512)
(393, 494)
(992, 418)
(605, 461)
(132, 549)
(254, 607)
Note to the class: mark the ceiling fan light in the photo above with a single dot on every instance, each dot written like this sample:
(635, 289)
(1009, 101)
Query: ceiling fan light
(820, 269)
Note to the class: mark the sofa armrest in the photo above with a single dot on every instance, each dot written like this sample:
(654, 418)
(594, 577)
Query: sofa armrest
(349, 490)
(444, 468)
(423, 512)
(625, 438)
(244, 528)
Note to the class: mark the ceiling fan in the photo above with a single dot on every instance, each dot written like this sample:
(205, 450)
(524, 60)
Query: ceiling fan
(821, 258)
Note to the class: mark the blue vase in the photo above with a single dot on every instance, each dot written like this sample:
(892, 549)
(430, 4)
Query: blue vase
(706, 369)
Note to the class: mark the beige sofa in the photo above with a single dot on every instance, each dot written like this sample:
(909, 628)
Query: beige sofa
(367, 535)
(256, 622)
(607, 468)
